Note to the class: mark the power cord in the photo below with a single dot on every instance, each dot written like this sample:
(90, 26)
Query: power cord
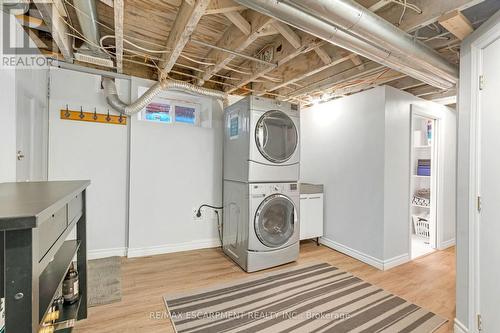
(216, 210)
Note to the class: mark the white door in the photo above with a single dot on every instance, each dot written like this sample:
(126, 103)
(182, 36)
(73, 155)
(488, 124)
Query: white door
(489, 190)
(24, 142)
(31, 140)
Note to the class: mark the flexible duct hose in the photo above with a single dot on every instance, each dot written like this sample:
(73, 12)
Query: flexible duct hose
(168, 84)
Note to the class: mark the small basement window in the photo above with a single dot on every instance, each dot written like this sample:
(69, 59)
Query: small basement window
(158, 112)
(171, 111)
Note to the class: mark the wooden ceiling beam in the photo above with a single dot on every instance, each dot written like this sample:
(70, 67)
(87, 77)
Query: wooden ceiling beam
(342, 74)
(234, 39)
(323, 55)
(58, 27)
(118, 21)
(223, 6)
(432, 10)
(356, 60)
(456, 23)
(283, 52)
(305, 72)
(288, 33)
(185, 22)
(379, 5)
(239, 21)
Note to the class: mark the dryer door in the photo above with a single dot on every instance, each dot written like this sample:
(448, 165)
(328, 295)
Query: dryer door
(276, 136)
(275, 220)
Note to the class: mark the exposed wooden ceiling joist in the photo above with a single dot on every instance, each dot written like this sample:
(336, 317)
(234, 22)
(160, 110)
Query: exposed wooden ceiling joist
(342, 76)
(432, 10)
(283, 52)
(223, 6)
(185, 22)
(300, 73)
(55, 21)
(456, 23)
(118, 19)
(379, 5)
(323, 55)
(288, 33)
(356, 60)
(239, 21)
(234, 39)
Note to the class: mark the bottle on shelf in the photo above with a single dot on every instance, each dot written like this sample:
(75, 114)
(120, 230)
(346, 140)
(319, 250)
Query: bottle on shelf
(70, 286)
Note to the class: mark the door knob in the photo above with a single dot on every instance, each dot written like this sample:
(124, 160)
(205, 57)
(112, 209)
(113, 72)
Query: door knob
(20, 155)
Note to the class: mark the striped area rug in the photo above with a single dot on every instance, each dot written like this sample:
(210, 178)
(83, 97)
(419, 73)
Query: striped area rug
(315, 298)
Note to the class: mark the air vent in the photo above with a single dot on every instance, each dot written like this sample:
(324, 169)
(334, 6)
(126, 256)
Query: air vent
(90, 59)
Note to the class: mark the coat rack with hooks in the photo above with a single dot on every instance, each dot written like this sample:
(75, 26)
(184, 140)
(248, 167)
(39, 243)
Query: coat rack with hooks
(94, 117)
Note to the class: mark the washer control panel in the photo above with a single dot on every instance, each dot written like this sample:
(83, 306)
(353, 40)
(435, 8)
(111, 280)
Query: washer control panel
(267, 189)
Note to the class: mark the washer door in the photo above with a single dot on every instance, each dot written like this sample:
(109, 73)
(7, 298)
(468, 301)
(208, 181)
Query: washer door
(276, 136)
(275, 220)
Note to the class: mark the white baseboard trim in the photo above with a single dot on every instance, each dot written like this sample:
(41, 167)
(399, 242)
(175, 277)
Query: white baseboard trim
(170, 248)
(367, 259)
(396, 261)
(104, 253)
(458, 327)
(446, 244)
(377, 263)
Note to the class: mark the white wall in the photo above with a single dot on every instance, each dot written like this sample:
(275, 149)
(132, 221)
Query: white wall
(174, 168)
(359, 148)
(95, 151)
(342, 147)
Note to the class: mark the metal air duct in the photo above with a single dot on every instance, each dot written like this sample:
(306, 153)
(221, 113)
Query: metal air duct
(90, 51)
(441, 77)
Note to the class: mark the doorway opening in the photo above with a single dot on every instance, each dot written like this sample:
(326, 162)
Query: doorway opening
(423, 185)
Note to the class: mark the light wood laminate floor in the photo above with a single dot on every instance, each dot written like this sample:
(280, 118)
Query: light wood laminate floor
(428, 281)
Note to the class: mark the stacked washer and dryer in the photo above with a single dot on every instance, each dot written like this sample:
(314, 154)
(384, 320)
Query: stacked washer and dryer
(261, 193)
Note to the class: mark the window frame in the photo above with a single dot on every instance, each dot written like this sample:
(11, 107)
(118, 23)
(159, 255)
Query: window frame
(173, 104)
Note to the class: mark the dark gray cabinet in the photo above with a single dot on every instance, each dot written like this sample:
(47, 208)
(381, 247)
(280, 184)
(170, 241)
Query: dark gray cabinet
(35, 221)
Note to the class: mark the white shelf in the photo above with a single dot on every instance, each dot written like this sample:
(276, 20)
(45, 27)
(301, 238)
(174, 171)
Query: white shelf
(420, 206)
(418, 176)
(423, 147)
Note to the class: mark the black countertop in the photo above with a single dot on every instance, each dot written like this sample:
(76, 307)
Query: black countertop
(25, 205)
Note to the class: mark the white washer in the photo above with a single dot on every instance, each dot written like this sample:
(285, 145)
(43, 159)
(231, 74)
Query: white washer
(261, 224)
(261, 142)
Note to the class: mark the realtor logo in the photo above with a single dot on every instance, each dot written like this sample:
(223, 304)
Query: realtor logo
(17, 46)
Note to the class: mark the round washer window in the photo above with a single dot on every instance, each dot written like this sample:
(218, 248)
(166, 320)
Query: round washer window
(276, 136)
(275, 220)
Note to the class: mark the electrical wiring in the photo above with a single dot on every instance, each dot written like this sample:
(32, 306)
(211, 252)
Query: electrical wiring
(134, 45)
(196, 61)
(237, 70)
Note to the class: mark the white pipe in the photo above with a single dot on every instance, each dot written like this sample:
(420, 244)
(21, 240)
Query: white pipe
(323, 29)
(117, 104)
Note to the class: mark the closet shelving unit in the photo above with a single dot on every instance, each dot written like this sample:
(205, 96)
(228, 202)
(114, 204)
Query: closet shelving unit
(422, 215)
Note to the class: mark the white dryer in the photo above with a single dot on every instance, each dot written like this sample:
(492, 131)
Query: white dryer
(261, 142)
(261, 224)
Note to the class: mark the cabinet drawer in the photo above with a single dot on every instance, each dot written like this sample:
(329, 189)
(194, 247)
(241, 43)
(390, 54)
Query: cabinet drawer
(50, 230)
(75, 207)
